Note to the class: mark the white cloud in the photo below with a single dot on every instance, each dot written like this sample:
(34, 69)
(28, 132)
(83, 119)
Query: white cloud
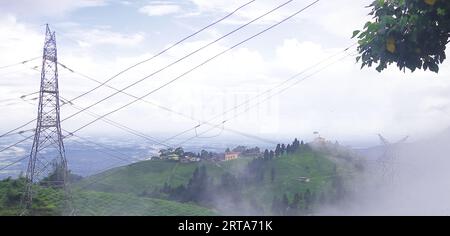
(249, 12)
(342, 17)
(160, 9)
(340, 102)
(126, 3)
(47, 7)
(88, 38)
(96, 35)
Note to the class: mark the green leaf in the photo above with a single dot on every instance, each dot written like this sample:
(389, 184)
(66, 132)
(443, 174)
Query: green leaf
(356, 32)
(434, 67)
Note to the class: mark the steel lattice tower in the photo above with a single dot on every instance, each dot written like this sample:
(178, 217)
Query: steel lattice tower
(388, 158)
(47, 163)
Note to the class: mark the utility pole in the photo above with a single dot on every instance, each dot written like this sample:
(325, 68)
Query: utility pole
(47, 164)
(388, 158)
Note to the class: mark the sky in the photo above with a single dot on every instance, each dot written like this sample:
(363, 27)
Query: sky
(99, 38)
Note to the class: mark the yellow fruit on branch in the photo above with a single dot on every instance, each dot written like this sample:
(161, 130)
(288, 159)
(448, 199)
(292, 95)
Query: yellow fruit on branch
(390, 45)
(430, 2)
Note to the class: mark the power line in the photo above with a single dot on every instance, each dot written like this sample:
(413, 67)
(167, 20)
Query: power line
(18, 98)
(167, 49)
(123, 127)
(184, 74)
(186, 56)
(13, 163)
(194, 68)
(113, 123)
(19, 63)
(162, 107)
(257, 104)
(189, 71)
(85, 139)
(17, 143)
(102, 146)
(79, 96)
(259, 95)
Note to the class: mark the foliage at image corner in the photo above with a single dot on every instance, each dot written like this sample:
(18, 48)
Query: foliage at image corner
(411, 33)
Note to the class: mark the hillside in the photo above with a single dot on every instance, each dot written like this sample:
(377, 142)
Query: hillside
(92, 203)
(294, 183)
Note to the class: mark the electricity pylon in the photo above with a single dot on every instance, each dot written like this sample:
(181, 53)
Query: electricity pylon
(47, 164)
(388, 158)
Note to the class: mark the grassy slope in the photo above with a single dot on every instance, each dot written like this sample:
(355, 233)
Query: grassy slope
(104, 204)
(151, 175)
(116, 191)
(287, 171)
(48, 202)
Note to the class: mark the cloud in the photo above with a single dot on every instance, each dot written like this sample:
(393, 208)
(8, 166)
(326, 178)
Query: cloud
(47, 7)
(126, 3)
(93, 37)
(250, 12)
(160, 9)
(340, 102)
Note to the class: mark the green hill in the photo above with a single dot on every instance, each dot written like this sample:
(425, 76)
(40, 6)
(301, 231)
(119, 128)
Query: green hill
(298, 181)
(152, 175)
(288, 184)
(91, 203)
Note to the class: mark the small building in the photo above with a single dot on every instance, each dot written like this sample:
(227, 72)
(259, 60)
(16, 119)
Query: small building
(320, 141)
(231, 156)
(174, 157)
(304, 179)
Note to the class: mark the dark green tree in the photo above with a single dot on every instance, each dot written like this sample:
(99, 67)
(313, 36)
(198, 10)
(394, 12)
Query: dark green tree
(295, 145)
(179, 151)
(272, 175)
(308, 199)
(411, 33)
(285, 204)
(296, 201)
(266, 154)
(278, 150)
(276, 206)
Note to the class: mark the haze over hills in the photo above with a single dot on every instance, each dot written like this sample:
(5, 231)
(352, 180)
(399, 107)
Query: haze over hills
(192, 107)
(291, 182)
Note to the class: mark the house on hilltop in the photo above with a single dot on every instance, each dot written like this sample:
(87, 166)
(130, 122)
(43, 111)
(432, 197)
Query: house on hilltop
(231, 156)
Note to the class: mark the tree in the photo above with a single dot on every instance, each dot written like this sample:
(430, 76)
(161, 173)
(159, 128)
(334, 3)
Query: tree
(266, 154)
(204, 154)
(295, 145)
(275, 206)
(272, 175)
(285, 204)
(308, 199)
(295, 202)
(197, 186)
(179, 151)
(278, 150)
(301, 146)
(413, 34)
(271, 154)
(288, 149)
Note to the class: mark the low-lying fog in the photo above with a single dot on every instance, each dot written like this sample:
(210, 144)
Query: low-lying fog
(415, 180)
